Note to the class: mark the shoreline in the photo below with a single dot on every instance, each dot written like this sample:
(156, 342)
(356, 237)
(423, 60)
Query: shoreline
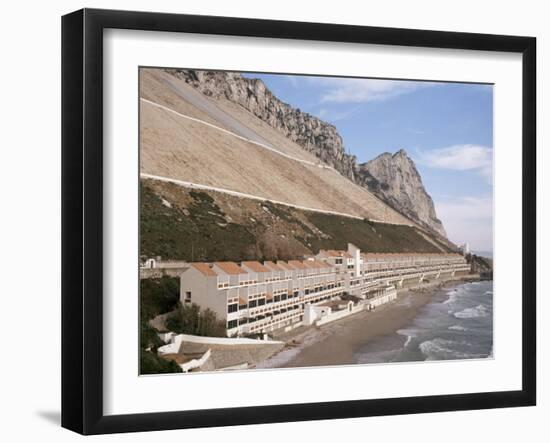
(335, 343)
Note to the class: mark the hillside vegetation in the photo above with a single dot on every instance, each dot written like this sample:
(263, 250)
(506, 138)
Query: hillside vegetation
(157, 296)
(185, 224)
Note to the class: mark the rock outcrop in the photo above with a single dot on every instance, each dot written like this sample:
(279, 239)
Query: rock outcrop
(395, 179)
(392, 178)
(314, 135)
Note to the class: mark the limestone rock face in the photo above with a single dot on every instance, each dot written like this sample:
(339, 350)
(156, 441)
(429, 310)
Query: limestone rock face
(314, 135)
(395, 179)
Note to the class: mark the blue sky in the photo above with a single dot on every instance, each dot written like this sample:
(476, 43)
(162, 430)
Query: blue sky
(447, 128)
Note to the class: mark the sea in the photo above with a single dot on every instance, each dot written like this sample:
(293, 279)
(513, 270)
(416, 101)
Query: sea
(456, 324)
(486, 254)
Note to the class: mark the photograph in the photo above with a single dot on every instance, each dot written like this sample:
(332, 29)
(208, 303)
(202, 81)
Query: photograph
(299, 220)
(275, 221)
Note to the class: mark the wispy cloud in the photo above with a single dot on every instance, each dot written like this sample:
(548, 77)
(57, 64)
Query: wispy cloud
(468, 219)
(355, 90)
(333, 115)
(460, 158)
(466, 208)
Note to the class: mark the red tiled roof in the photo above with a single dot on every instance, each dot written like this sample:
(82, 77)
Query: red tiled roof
(204, 269)
(273, 266)
(285, 265)
(310, 264)
(230, 267)
(316, 264)
(406, 255)
(297, 264)
(321, 264)
(255, 266)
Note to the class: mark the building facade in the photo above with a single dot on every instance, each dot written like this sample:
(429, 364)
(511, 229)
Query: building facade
(254, 298)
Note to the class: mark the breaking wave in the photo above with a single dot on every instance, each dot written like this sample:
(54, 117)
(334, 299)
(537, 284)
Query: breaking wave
(441, 349)
(478, 311)
(457, 328)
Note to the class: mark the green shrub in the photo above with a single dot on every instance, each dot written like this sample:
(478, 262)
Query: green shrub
(148, 337)
(151, 363)
(199, 233)
(158, 296)
(190, 320)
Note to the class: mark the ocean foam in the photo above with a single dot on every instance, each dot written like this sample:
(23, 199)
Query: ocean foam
(478, 311)
(436, 349)
(441, 349)
(409, 333)
(457, 328)
(454, 295)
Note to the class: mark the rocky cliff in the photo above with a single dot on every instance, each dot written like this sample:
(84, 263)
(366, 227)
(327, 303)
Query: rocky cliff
(392, 178)
(481, 265)
(395, 179)
(314, 135)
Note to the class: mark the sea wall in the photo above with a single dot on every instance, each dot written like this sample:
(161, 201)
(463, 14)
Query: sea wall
(337, 315)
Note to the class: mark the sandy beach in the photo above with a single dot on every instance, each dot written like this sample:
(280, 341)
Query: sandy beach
(334, 343)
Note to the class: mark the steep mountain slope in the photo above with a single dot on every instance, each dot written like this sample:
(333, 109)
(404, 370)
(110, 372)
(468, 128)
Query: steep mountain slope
(396, 179)
(312, 134)
(188, 136)
(395, 182)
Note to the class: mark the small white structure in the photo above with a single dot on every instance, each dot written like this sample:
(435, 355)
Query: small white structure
(150, 263)
(196, 363)
(329, 311)
(166, 337)
(312, 313)
(389, 294)
(465, 248)
(175, 342)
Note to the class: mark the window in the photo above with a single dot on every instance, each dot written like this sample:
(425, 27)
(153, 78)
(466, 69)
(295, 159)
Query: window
(277, 298)
(187, 297)
(261, 302)
(232, 308)
(231, 324)
(283, 296)
(252, 303)
(338, 261)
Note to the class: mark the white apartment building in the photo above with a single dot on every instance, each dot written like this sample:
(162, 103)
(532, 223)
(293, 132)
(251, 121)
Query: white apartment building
(253, 297)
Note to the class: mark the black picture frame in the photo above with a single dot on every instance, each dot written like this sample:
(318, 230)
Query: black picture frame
(82, 218)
